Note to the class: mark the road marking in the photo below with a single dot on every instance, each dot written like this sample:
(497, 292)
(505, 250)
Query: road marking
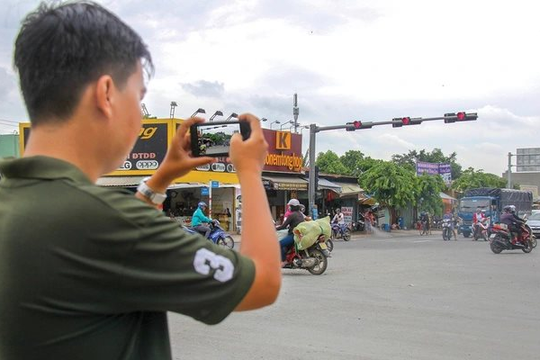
(419, 241)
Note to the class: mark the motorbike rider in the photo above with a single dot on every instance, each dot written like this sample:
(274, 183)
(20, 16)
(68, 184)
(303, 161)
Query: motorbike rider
(339, 218)
(450, 217)
(294, 218)
(513, 222)
(478, 217)
(198, 220)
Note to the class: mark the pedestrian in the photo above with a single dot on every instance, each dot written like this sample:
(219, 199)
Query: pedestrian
(89, 272)
(368, 221)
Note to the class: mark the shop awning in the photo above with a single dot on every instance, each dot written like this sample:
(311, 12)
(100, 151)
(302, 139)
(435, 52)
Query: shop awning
(350, 189)
(285, 183)
(121, 181)
(328, 185)
(446, 197)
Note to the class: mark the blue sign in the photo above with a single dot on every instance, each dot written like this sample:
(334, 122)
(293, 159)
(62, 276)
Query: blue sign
(215, 184)
(205, 191)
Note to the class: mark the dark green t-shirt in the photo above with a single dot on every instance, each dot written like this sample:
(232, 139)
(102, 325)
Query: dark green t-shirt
(88, 272)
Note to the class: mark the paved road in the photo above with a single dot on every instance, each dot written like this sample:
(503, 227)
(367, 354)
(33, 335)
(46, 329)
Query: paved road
(387, 297)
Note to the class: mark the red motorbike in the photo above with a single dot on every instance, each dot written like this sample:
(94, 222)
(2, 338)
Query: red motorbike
(501, 239)
(313, 259)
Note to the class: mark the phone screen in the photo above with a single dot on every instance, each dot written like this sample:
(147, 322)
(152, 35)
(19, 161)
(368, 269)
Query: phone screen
(213, 138)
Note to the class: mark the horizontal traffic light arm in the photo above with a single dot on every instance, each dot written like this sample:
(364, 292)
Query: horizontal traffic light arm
(398, 122)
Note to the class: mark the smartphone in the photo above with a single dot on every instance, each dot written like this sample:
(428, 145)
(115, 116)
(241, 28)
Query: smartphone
(214, 138)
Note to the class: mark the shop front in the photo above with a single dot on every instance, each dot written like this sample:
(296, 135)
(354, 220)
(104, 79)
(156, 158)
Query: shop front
(215, 184)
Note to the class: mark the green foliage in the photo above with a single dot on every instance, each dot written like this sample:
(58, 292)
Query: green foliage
(435, 156)
(429, 189)
(471, 179)
(390, 184)
(329, 163)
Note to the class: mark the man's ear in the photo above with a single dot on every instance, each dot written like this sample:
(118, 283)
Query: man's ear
(104, 95)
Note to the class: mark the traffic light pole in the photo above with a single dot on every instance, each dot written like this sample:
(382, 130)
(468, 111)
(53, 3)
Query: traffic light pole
(314, 129)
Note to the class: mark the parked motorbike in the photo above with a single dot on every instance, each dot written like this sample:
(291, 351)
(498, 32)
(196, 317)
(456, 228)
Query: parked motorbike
(341, 231)
(501, 239)
(217, 234)
(480, 230)
(312, 259)
(447, 232)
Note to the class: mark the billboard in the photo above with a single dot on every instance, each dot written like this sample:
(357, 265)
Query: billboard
(445, 170)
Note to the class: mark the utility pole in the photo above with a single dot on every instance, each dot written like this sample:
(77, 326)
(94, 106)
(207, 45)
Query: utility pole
(509, 172)
(296, 112)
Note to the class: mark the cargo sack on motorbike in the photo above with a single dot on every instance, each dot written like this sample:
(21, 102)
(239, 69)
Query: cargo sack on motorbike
(307, 232)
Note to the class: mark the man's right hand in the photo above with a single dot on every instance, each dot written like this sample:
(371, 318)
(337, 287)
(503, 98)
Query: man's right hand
(249, 155)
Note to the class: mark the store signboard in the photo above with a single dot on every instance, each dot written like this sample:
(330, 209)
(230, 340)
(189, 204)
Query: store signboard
(149, 150)
(347, 214)
(284, 151)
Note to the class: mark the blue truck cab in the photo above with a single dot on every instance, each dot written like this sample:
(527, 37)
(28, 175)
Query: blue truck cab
(492, 200)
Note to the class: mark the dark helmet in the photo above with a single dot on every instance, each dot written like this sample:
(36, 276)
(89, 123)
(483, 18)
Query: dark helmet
(510, 209)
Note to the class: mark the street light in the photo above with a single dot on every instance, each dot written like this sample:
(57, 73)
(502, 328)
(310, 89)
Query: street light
(274, 122)
(233, 115)
(198, 111)
(288, 122)
(263, 119)
(173, 106)
(217, 113)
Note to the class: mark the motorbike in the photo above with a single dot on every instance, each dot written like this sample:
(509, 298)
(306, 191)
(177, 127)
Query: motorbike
(480, 230)
(501, 239)
(447, 232)
(312, 259)
(217, 234)
(341, 231)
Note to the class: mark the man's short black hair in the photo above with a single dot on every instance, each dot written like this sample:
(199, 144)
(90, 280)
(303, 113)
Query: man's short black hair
(63, 48)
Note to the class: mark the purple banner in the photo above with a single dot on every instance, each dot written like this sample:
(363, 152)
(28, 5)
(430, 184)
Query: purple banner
(444, 170)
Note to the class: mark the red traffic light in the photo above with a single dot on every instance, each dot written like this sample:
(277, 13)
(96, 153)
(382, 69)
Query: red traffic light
(357, 124)
(406, 120)
(461, 116)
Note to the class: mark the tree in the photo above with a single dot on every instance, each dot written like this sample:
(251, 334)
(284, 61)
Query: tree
(435, 156)
(329, 163)
(390, 184)
(429, 190)
(352, 160)
(471, 179)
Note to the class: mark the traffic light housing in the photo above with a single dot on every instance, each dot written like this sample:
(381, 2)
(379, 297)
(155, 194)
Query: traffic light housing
(399, 122)
(357, 125)
(460, 116)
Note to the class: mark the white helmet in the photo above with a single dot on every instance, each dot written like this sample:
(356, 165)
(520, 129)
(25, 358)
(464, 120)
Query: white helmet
(293, 202)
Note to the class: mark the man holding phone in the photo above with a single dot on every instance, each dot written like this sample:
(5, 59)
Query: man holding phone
(87, 272)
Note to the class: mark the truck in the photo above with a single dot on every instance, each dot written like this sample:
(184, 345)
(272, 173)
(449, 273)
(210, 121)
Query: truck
(492, 201)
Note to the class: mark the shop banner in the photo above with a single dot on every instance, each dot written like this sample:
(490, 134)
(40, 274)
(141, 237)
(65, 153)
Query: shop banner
(445, 170)
(284, 151)
(347, 214)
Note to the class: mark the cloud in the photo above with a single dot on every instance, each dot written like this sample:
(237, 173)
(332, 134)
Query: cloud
(205, 88)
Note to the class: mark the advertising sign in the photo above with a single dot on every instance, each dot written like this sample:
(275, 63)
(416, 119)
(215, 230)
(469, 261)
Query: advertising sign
(284, 151)
(347, 214)
(444, 170)
(149, 150)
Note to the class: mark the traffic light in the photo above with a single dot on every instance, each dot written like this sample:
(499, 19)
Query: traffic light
(460, 116)
(357, 125)
(399, 122)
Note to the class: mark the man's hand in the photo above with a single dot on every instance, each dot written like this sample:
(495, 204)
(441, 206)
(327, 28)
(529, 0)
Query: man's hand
(178, 160)
(249, 155)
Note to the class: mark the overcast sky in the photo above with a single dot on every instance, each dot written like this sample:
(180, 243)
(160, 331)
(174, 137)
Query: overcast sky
(346, 60)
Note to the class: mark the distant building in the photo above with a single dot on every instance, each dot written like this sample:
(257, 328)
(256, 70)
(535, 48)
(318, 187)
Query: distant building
(528, 159)
(9, 145)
